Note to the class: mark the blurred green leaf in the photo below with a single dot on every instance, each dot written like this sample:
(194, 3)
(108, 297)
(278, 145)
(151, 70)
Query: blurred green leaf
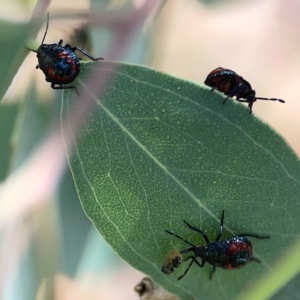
(12, 41)
(284, 270)
(21, 128)
(138, 45)
(290, 291)
(74, 224)
(8, 117)
(33, 122)
(157, 150)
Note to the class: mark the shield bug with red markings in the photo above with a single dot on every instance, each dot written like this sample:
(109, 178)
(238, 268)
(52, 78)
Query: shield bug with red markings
(232, 253)
(59, 63)
(231, 84)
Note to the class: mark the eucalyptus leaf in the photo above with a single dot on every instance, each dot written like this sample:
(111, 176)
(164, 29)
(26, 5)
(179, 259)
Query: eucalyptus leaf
(290, 291)
(157, 150)
(33, 122)
(8, 118)
(12, 40)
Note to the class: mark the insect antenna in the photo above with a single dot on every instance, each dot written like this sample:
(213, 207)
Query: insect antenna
(44, 35)
(30, 49)
(46, 28)
(187, 269)
(272, 99)
(179, 237)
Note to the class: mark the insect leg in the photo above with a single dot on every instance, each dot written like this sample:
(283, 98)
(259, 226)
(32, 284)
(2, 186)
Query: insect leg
(242, 100)
(255, 259)
(85, 53)
(193, 259)
(233, 92)
(250, 106)
(212, 272)
(221, 226)
(198, 264)
(196, 261)
(64, 87)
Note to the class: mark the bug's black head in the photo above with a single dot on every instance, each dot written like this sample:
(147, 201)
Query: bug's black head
(251, 95)
(201, 251)
(44, 49)
(45, 53)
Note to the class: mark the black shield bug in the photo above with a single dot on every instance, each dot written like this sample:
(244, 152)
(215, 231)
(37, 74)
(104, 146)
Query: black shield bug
(173, 261)
(231, 84)
(59, 63)
(232, 253)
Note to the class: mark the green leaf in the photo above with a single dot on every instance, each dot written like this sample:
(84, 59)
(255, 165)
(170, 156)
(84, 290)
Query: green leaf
(157, 150)
(12, 40)
(8, 117)
(33, 123)
(284, 270)
(289, 291)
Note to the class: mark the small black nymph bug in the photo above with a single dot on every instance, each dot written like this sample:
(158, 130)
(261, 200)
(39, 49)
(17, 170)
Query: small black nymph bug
(59, 63)
(231, 84)
(232, 253)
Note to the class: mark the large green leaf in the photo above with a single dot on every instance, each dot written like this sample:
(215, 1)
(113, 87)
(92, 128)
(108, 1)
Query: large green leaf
(33, 122)
(157, 150)
(8, 117)
(12, 40)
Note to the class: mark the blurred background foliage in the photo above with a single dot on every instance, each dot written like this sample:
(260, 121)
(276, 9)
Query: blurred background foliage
(51, 241)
